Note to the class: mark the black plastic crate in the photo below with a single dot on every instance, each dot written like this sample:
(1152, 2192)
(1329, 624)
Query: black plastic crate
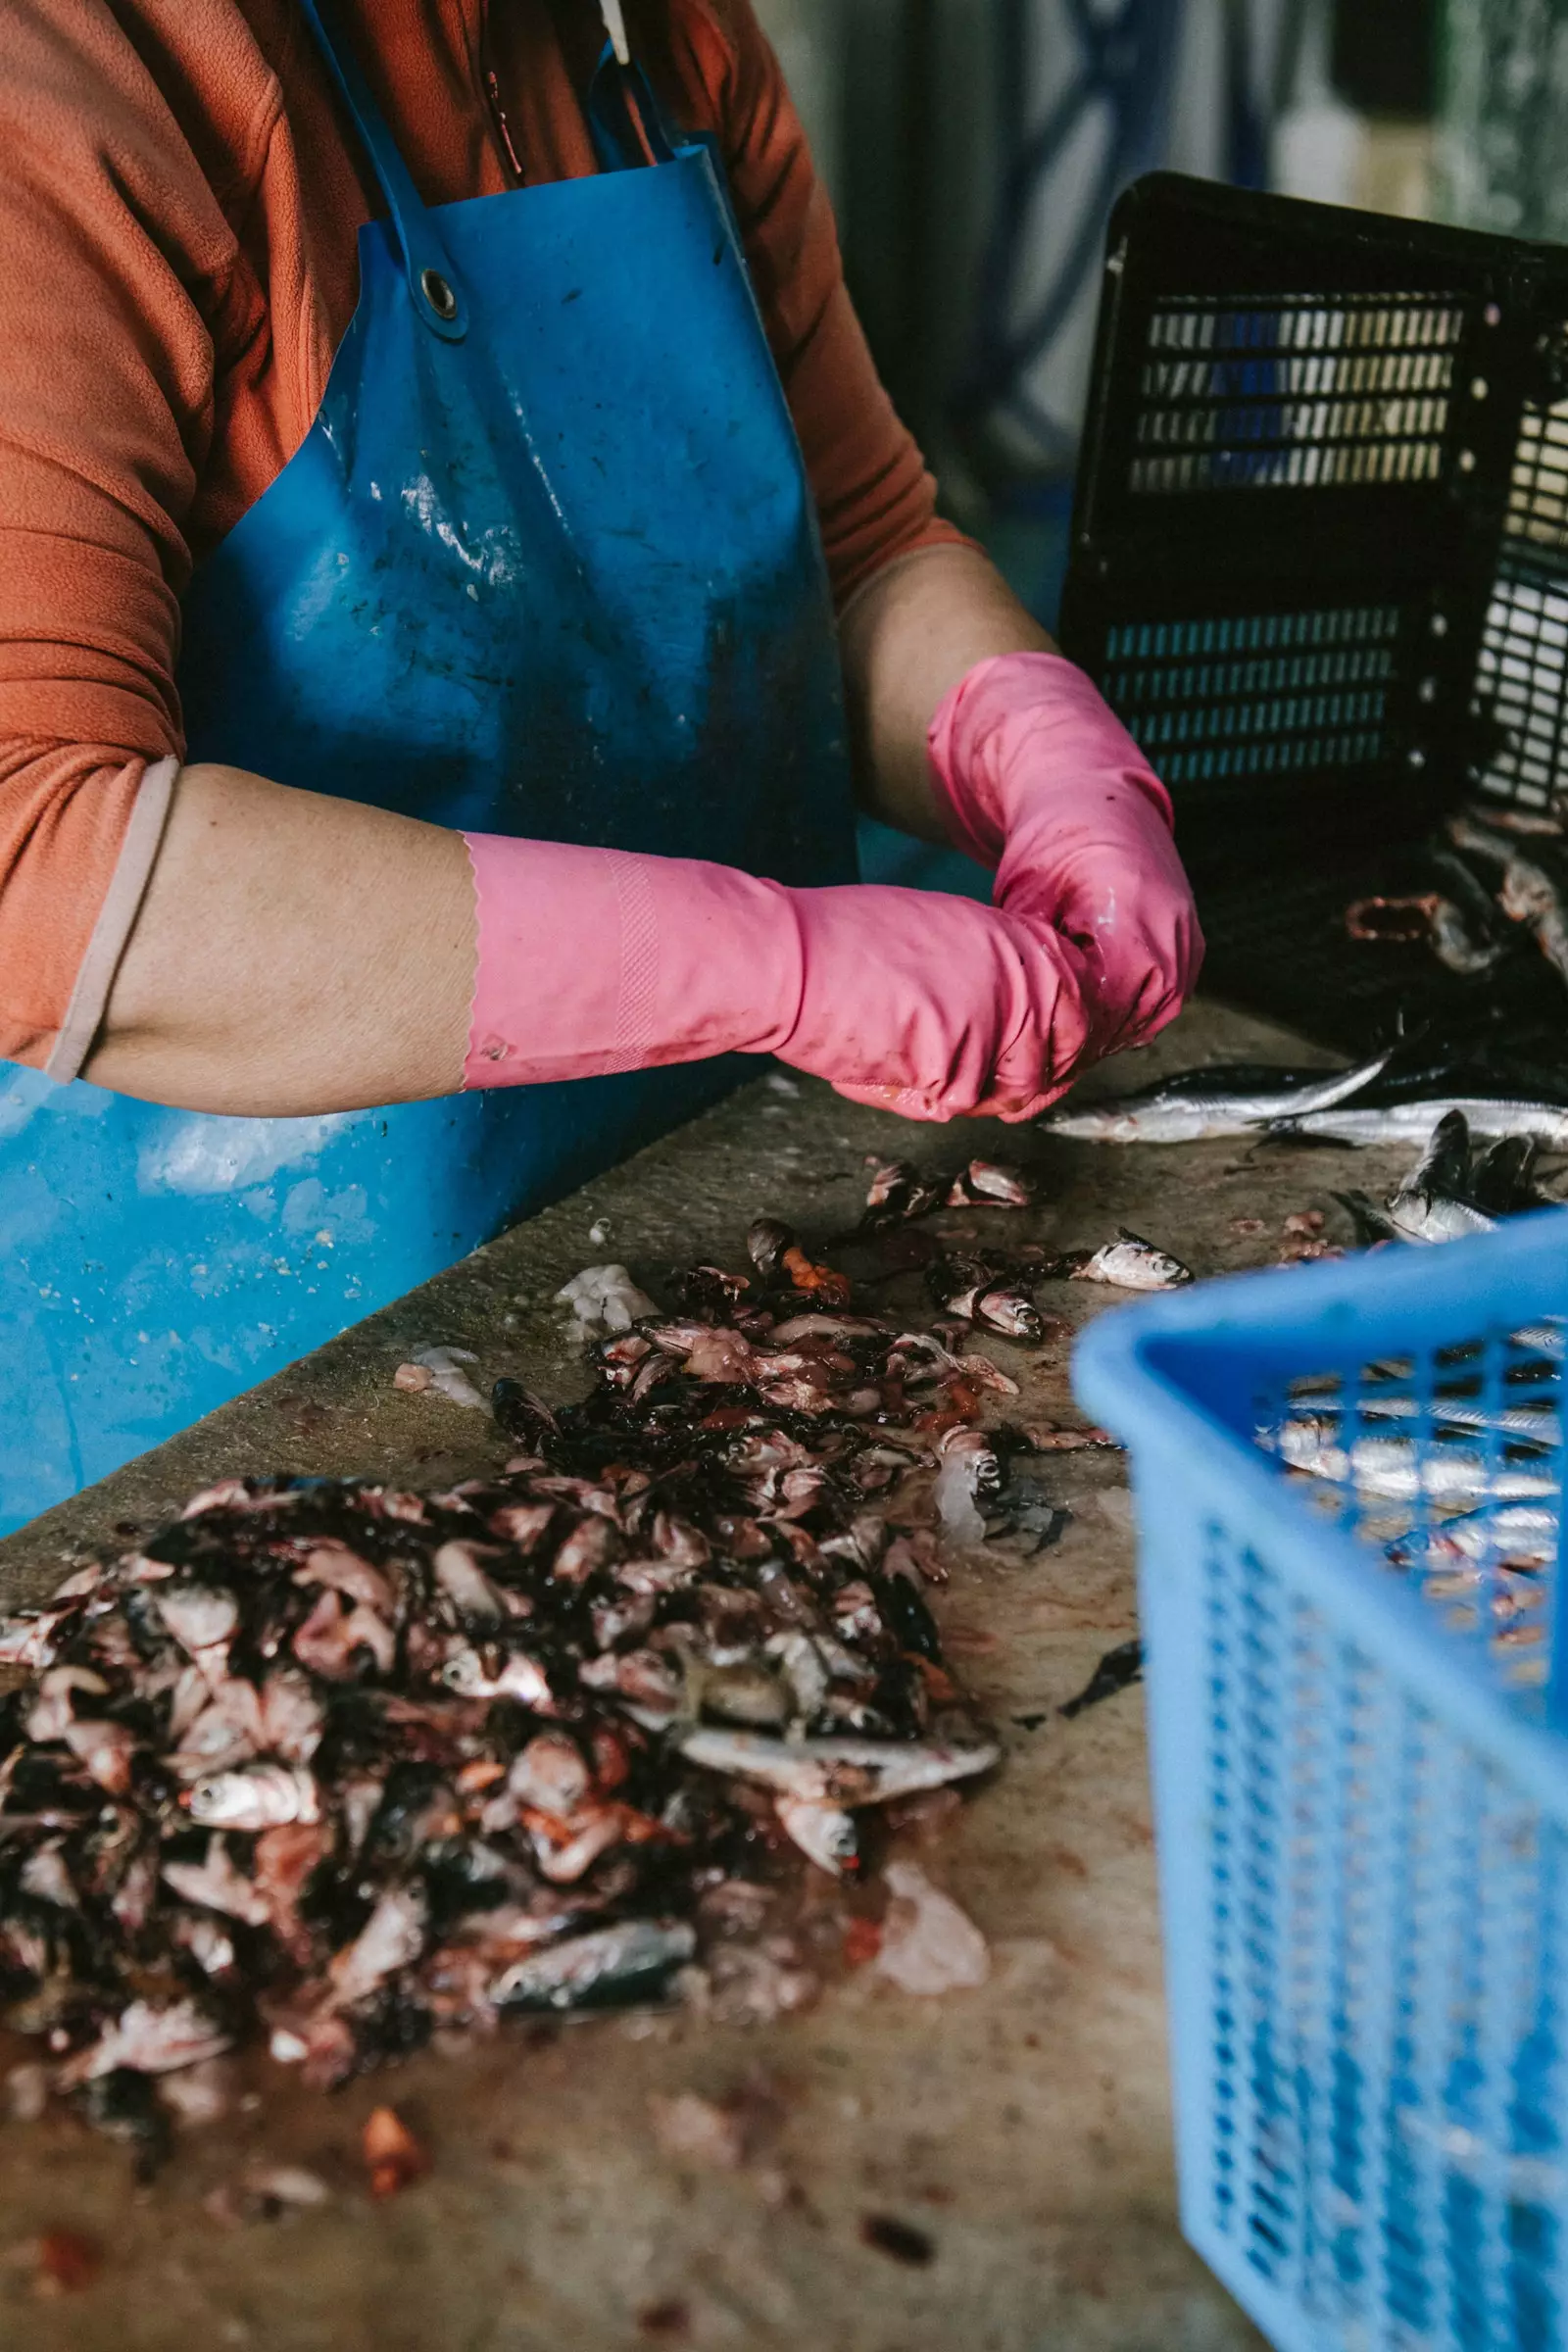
(1320, 562)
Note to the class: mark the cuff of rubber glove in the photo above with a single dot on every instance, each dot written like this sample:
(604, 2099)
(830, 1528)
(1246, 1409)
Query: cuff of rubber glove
(591, 962)
(1074, 734)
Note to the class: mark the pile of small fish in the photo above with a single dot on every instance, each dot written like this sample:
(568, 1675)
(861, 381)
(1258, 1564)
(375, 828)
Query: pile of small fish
(1499, 880)
(334, 1766)
(1453, 1190)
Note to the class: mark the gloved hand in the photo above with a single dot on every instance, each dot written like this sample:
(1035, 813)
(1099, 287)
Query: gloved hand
(592, 961)
(1037, 777)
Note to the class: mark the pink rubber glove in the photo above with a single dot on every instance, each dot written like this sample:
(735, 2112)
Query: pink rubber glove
(592, 961)
(1037, 777)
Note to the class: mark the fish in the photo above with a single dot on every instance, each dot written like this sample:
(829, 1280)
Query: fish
(1441, 1198)
(835, 1771)
(1520, 1424)
(1130, 1264)
(1513, 1534)
(1400, 1468)
(1411, 1121)
(631, 1961)
(1432, 1203)
(1225, 1098)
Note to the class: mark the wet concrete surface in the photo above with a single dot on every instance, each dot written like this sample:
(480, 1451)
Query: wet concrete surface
(1018, 2135)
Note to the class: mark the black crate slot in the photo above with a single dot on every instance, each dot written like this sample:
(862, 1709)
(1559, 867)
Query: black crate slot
(1219, 699)
(1520, 689)
(1289, 392)
(1538, 496)
(1521, 694)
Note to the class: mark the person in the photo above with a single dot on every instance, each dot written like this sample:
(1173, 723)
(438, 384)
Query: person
(458, 559)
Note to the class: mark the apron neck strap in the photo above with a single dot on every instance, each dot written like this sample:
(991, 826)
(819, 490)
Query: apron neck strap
(625, 121)
(433, 284)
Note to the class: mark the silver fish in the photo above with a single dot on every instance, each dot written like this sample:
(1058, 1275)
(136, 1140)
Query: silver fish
(1411, 1123)
(1519, 1533)
(1229, 1099)
(1130, 1264)
(835, 1771)
(1398, 1469)
(609, 1963)
(1520, 1424)
(1433, 1203)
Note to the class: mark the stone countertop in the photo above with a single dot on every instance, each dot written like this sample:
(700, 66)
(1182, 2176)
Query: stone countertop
(1020, 2132)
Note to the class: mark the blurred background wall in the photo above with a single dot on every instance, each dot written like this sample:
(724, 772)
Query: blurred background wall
(974, 148)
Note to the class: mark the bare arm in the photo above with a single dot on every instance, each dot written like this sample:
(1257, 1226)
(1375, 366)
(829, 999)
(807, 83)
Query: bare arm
(294, 954)
(297, 954)
(908, 638)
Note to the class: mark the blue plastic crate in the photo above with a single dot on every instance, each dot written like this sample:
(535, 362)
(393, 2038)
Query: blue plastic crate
(1348, 1483)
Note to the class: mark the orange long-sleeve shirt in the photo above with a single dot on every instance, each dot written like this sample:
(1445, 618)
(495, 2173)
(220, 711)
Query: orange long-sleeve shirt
(180, 196)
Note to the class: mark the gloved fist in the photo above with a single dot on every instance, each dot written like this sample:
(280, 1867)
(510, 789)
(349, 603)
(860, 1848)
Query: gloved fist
(934, 1006)
(1038, 779)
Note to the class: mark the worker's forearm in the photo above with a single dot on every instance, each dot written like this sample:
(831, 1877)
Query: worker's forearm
(909, 636)
(294, 954)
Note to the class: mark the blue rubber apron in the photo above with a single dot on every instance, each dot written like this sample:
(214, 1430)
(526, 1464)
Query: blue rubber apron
(547, 563)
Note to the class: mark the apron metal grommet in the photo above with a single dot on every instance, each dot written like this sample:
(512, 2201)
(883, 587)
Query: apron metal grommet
(438, 294)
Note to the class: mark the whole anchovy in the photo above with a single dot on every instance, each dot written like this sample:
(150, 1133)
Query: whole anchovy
(1518, 1533)
(1520, 1424)
(608, 1965)
(836, 1772)
(1546, 1123)
(1229, 1099)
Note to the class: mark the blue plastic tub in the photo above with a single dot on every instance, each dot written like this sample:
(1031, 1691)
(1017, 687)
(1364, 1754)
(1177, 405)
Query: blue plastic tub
(1348, 1485)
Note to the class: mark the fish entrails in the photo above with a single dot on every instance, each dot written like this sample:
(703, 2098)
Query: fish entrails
(338, 1767)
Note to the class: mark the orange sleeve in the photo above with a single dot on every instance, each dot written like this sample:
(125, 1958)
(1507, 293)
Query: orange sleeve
(874, 496)
(107, 227)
